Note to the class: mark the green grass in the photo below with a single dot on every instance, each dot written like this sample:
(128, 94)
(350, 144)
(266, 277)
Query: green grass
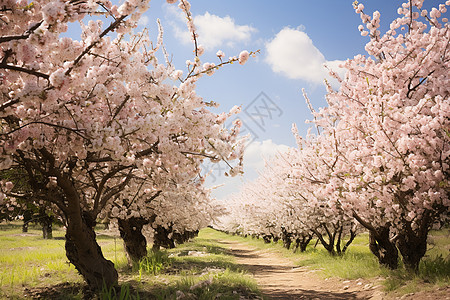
(358, 262)
(200, 269)
(29, 260)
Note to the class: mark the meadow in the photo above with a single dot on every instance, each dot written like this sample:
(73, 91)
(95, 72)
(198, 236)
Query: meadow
(31, 267)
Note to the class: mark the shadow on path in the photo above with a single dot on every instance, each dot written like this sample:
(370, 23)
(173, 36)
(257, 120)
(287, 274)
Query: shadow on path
(310, 295)
(279, 278)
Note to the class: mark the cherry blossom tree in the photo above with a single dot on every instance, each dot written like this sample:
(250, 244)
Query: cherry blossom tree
(389, 125)
(171, 213)
(25, 207)
(285, 202)
(88, 119)
(309, 178)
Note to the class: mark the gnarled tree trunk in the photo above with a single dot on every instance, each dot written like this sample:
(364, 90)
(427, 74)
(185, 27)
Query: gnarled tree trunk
(413, 245)
(86, 255)
(382, 247)
(329, 246)
(133, 239)
(380, 243)
(302, 242)
(161, 238)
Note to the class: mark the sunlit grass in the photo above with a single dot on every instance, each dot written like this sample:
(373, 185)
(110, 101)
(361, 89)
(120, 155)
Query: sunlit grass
(28, 261)
(200, 269)
(359, 263)
(225, 285)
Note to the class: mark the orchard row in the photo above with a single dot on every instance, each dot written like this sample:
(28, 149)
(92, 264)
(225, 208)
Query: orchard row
(105, 127)
(377, 157)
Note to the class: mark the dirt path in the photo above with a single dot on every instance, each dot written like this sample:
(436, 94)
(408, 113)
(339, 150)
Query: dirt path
(279, 278)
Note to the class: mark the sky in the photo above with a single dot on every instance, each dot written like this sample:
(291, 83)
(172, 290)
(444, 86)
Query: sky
(295, 39)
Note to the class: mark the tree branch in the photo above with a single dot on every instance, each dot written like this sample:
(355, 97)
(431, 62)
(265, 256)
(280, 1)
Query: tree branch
(111, 27)
(24, 36)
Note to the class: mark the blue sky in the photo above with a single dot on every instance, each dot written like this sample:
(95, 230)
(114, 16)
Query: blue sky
(295, 38)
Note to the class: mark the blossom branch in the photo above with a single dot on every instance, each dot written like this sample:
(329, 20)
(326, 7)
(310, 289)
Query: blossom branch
(24, 36)
(111, 27)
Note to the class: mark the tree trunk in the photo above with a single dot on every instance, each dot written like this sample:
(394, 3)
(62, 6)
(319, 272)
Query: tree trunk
(382, 247)
(85, 254)
(286, 238)
(27, 216)
(380, 243)
(134, 241)
(352, 237)
(161, 239)
(25, 227)
(329, 246)
(302, 242)
(47, 230)
(267, 238)
(338, 241)
(180, 238)
(46, 223)
(412, 248)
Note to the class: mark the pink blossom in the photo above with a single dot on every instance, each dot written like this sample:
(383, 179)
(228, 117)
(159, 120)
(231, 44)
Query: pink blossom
(220, 54)
(200, 50)
(243, 57)
(58, 78)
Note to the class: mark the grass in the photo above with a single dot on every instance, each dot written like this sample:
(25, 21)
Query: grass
(359, 263)
(200, 269)
(29, 260)
(37, 268)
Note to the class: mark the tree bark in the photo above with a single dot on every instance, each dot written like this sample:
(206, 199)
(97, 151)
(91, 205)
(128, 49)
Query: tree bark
(47, 230)
(46, 222)
(412, 248)
(286, 238)
(329, 246)
(27, 216)
(380, 243)
(86, 255)
(134, 241)
(302, 242)
(352, 237)
(267, 238)
(382, 247)
(161, 239)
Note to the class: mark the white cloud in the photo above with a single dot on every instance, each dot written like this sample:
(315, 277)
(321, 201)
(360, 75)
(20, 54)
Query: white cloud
(292, 53)
(257, 152)
(213, 31)
(143, 21)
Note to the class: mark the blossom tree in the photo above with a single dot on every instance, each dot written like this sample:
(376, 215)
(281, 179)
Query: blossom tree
(390, 123)
(87, 119)
(316, 159)
(287, 201)
(171, 213)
